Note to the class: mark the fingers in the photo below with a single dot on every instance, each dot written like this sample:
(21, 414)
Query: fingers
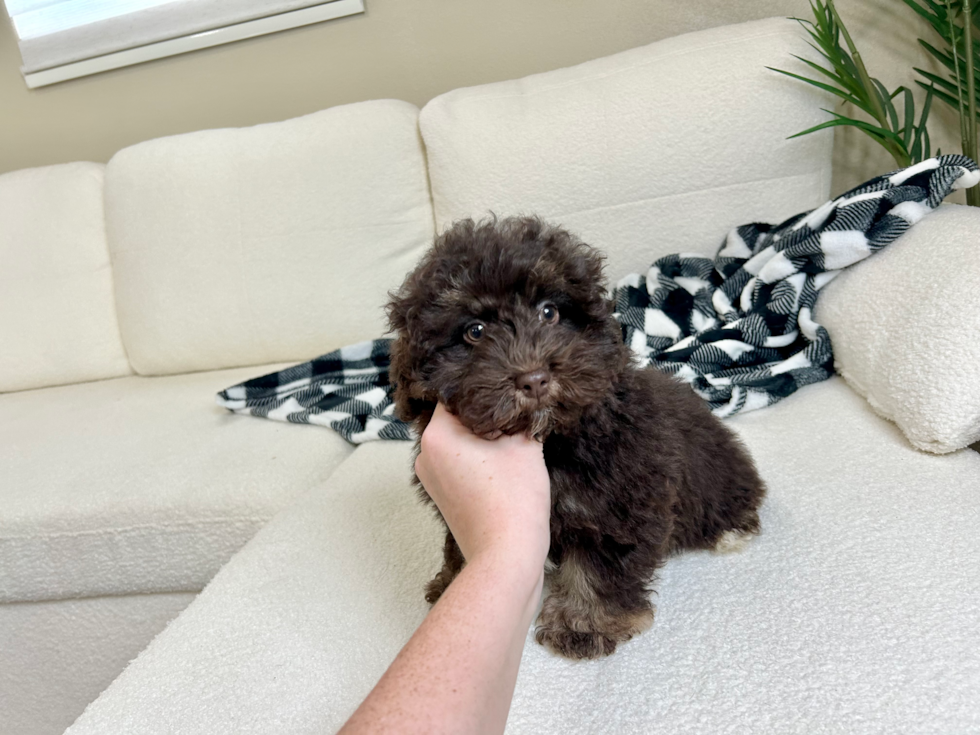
(446, 434)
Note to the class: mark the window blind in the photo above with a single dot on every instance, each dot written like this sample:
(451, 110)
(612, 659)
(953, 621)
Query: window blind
(55, 33)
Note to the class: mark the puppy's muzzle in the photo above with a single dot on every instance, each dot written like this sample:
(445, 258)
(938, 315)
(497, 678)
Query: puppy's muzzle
(534, 385)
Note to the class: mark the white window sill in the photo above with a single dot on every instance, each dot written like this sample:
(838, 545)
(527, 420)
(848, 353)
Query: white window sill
(216, 37)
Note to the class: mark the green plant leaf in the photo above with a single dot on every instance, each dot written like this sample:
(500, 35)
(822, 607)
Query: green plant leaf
(871, 130)
(920, 10)
(840, 74)
(825, 42)
(943, 96)
(937, 18)
(817, 67)
(926, 105)
(908, 104)
(960, 58)
(886, 103)
(946, 94)
(868, 127)
(921, 146)
(944, 58)
(846, 78)
(826, 87)
(940, 81)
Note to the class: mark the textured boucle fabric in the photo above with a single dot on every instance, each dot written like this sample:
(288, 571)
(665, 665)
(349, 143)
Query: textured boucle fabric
(656, 150)
(265, 244)
(139, 484)
(57, 314)
(57, 656)
(854, 612)
(906, 330)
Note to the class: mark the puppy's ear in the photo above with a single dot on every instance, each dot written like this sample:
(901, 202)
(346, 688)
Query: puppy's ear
(579, 267)
(409, 351)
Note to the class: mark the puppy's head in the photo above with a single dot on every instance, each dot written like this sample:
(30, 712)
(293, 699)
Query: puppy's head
(507, 323)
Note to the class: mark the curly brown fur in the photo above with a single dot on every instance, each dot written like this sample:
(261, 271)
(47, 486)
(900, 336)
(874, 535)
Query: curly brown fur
(639, 467)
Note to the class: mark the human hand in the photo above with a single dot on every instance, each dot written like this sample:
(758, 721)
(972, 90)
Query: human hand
(494, 494)
(457, 672)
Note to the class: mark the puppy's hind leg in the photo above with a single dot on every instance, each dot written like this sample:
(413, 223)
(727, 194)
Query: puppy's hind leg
(738, 524)
(731, 542)
(453, 562)
(720, 508)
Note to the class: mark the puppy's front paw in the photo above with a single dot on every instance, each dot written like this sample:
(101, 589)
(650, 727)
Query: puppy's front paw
(438, 585)
(576, 631)
(574, 644)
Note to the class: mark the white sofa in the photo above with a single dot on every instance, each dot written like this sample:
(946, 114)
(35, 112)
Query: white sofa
(137, 290)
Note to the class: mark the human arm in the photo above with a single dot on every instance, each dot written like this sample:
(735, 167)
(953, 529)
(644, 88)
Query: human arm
(457, 672)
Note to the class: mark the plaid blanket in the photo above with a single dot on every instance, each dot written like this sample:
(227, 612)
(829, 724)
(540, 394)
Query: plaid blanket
(738, 327)
(347, 390)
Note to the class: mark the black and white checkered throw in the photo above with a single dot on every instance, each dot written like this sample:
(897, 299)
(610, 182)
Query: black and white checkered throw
(737, 327)
(347, 390)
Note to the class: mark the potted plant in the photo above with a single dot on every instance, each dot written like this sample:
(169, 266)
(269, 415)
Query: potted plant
(904, 135)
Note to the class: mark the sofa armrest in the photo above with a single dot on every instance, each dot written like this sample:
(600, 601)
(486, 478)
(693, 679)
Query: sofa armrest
(905, 326)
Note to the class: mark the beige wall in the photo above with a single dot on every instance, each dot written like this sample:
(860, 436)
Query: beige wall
(406, 49)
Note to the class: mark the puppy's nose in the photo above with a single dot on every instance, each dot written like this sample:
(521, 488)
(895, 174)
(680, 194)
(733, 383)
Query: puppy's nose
(533, 384)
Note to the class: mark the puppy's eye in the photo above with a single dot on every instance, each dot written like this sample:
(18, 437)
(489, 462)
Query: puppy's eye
(548, 313)
(474, 332)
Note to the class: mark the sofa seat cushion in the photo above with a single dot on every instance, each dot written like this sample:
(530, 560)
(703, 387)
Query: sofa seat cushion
(657, 150)
(856, 605)
(140, 484)
(57, 314)
(265, 244)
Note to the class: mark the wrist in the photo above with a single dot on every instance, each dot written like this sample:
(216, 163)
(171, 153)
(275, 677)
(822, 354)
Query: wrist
(519, 574)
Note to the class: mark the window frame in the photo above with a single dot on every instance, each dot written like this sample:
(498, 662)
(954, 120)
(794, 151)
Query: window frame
(195, 41)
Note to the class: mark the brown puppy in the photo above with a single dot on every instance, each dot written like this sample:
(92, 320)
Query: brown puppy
(508, 323)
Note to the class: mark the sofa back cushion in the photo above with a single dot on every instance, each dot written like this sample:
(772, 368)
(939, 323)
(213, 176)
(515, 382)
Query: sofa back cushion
(57, 317)
(272, 243)
(656, 150)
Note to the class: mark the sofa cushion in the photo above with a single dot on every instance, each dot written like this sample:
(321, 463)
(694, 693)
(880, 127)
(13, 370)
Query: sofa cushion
(857, 604)
(57, 656)
(140, 484)
(657, 150)
(272, 243)
(57, 316)
(906, 329)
